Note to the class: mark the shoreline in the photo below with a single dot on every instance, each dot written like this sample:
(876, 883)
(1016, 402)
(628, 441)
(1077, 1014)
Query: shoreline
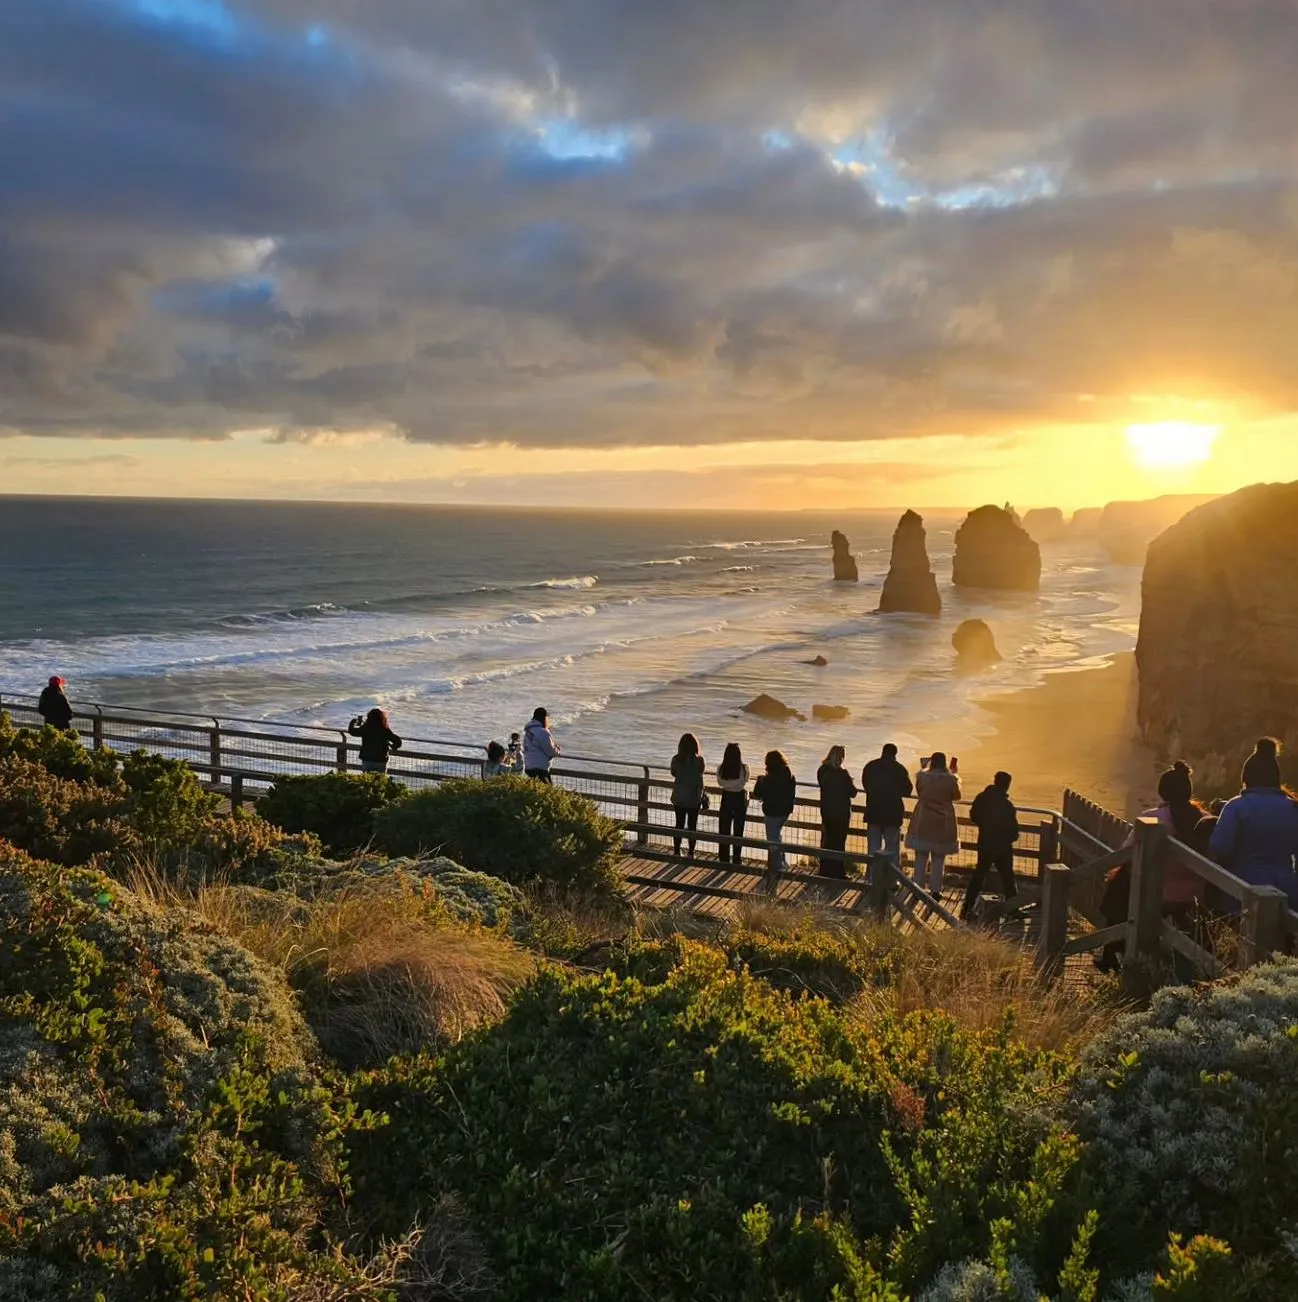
(1075, 730)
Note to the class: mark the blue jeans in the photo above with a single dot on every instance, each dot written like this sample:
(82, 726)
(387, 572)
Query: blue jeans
(774, 831)
(884, 840)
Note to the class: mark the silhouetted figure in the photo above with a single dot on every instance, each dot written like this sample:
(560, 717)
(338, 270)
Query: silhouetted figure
(997, 821)
(378, 740)
(732, 778)
(837, 790)
(887, 786)
(539, 747)
(687, 789)
(777, 789)
(1183, 889)
(54, 706)
(1256, 837)
(494, 766)
(934, 833)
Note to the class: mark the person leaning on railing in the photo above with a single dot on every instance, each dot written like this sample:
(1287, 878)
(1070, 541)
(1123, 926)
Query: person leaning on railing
(54, 706)
(378, 740)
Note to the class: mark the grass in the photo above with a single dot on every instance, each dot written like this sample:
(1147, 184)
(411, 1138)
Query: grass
(379, 972)
(974, 977)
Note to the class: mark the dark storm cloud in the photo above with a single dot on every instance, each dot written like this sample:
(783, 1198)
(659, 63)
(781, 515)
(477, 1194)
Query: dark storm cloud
(592, 223)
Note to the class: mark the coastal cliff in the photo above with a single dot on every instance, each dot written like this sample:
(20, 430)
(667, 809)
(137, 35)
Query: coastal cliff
(993, 550)
(1218, 648)
(1126, 529)
(910, 585)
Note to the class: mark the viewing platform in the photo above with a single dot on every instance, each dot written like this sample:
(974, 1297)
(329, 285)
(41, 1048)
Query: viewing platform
(1060, 862)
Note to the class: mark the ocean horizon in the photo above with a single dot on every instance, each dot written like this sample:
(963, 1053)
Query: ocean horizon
(629, 626)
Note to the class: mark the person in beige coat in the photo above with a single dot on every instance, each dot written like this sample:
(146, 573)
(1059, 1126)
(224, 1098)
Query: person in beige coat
(934, 832)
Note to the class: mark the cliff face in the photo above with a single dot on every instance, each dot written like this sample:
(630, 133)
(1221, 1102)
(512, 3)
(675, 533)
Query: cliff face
(910, 586)
(844, 562)
(992, 550)
(1127, 528)
(1218, 649)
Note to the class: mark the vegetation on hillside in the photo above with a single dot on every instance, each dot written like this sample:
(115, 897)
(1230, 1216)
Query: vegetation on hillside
(233, 1068)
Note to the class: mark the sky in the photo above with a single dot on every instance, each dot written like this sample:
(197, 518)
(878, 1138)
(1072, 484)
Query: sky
(747, 253)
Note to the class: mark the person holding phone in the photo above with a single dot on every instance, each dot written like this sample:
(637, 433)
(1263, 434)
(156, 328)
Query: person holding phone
(934, 832)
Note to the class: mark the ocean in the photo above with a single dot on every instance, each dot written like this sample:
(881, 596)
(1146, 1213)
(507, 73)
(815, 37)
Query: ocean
(630, 627)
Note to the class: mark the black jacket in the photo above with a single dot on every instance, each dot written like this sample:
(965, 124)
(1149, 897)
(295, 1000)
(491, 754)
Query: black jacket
(836, 792)
(887, 785)
(776, 791)
(376, 740)
(55, 708)
(996, 819)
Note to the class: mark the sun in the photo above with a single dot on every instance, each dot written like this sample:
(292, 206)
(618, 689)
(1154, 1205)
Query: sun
(1172, 445)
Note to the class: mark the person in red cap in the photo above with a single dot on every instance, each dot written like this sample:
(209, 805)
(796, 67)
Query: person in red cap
(54, 707)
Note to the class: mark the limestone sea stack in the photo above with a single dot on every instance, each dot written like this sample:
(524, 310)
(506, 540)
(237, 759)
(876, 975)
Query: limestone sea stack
(1046, 524)
(844, 562)
(975, 644)
(993, 550)
(766, 706)
(910, 586)
(1218, 648)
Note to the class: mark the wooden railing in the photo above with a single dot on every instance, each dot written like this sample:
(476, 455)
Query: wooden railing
(241, 758)
(1094, 842)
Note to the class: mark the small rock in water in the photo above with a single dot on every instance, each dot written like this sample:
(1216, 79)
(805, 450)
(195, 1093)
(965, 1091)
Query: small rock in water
(767, 707)
(819, 662)
(975, 644)
(830, 713)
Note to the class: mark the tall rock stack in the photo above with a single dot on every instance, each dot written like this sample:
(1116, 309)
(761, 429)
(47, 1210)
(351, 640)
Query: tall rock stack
(1218, 649)
(910, 586)
(844, 562)
(993, 550)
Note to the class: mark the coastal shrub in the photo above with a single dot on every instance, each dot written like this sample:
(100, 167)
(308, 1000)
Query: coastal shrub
(339, 808)
(1190, 1113)
(383, 963)
(60, 753)
(56, 818)
(711, 1136)
(523, 831)
(163, 1133)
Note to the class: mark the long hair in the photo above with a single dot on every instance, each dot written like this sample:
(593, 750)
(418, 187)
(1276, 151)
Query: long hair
(777, 764)
(495, 752)
(1176, 791)
(732, 762)
(937, 761)
(688, 746)
(376, 718)
(834, 757)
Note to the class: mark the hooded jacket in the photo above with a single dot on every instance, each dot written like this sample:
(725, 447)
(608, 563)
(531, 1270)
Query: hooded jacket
(538, 746)
(836, 792)
(887, 786)
(1256, 838)
(996, 819)
(54, 707)
(933, 825)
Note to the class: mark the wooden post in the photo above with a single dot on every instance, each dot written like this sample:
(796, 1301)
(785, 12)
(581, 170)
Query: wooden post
(1145, 911)
(214, 752)
(642, 809)
(1048, 851)
(1262, 926)
(236, 790)
(97, 730)
(342, 755)
(1056, 883)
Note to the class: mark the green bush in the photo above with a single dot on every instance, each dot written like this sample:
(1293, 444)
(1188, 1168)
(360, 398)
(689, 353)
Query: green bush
(56, 818)
(712, 1137)
(60, 753)
(339, 808)
(517, 829)
(163, 1134)
(1190, 1112)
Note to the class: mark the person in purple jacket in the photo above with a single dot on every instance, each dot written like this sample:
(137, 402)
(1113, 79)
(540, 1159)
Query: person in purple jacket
(1256, 837)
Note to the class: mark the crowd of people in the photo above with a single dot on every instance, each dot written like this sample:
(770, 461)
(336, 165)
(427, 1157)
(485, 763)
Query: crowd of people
(1253, 836)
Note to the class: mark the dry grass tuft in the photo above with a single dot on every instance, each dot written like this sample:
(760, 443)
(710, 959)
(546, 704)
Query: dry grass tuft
(379, 974)
(978, 979)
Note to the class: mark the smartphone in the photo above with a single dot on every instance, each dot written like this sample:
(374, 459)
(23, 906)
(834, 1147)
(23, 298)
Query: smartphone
(955, 765)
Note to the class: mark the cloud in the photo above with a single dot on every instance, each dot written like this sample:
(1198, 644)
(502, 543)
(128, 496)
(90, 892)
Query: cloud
(593, 224)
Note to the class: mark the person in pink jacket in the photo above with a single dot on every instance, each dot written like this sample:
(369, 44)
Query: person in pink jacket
(934, 832)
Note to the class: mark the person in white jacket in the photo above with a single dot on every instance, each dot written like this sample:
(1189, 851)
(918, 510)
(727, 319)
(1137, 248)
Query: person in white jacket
(539, 747)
